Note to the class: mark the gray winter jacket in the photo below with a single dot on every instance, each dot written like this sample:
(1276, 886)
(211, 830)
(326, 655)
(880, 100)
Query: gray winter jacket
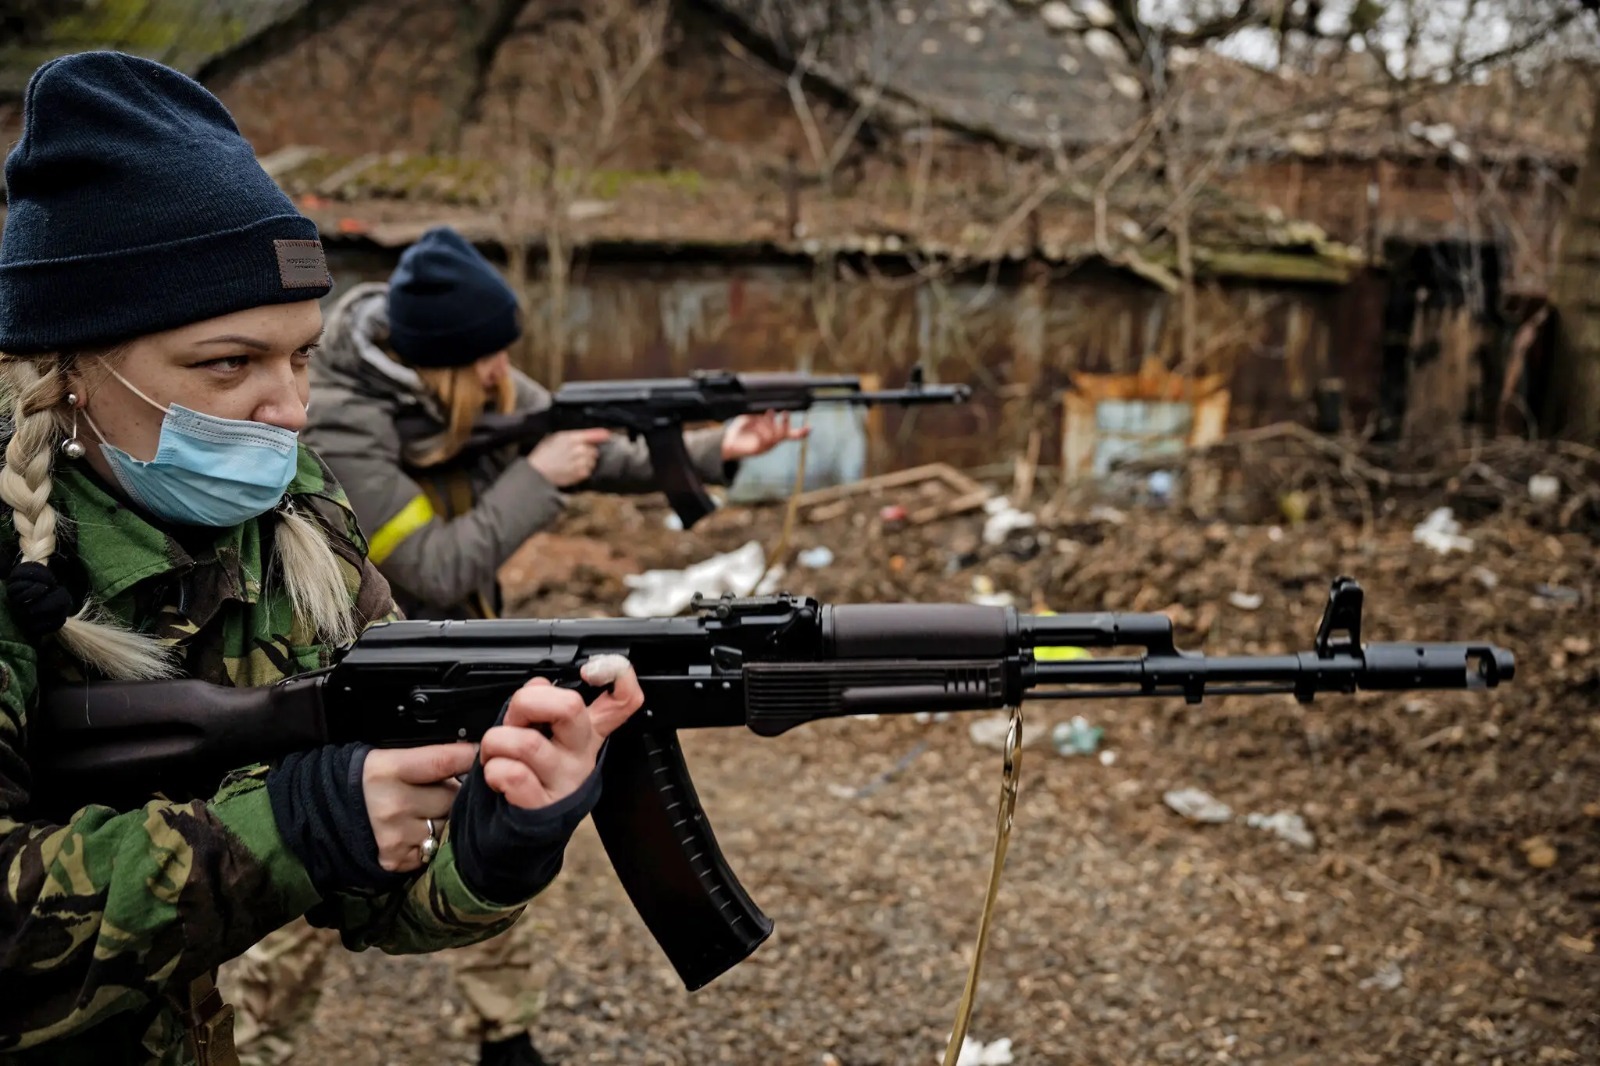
(440, 538)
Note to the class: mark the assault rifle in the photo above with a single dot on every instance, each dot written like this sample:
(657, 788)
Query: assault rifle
(769, 663)
(658, 408)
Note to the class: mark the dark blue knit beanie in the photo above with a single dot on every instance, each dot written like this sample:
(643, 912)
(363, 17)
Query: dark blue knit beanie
(134, 206)
(448, 306)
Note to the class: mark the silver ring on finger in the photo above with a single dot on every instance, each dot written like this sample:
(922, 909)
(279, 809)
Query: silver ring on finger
(430, 846)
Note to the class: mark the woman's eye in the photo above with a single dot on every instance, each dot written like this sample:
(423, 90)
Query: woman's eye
(304, 354)
(227, 363)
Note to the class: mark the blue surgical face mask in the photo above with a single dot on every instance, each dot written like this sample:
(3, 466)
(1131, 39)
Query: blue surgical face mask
(207, 471)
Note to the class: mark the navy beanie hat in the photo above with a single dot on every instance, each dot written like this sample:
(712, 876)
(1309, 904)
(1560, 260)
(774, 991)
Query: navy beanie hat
(135, 206)
(448, 306)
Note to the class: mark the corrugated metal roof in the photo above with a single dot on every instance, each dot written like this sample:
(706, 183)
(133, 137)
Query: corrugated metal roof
(391, 199)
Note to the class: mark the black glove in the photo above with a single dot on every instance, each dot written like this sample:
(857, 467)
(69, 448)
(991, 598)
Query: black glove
(507, 855)
(321, 810)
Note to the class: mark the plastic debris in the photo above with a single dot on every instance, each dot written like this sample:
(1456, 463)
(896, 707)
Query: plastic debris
(663, 593)
(1441, 532)
(1245, 601)
(1557, 593)
(1286, 825)
(1160, 485)
(977, 1053)
(673, 522)
(1544, 488)
(1076, 737)
(1294, 506)
(1004, 520)
(1484, 576)
(1387, 978)
(984, 594)
(817, 558)
(1108, 758)
(1197, 806)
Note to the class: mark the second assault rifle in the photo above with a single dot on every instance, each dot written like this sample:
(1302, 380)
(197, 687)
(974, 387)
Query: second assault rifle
(658, 408)
(768, 663)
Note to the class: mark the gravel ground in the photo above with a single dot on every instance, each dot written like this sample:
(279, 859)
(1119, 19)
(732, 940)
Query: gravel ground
(1447, 912)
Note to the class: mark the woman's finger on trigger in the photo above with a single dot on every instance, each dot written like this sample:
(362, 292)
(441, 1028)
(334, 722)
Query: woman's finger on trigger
(432, 763)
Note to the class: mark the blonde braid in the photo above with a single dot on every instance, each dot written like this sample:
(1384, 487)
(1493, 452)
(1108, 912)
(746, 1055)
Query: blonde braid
(38, 388)
(313, 578)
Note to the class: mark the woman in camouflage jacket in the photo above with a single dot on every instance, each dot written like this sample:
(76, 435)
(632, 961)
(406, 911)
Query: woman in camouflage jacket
(158, 310)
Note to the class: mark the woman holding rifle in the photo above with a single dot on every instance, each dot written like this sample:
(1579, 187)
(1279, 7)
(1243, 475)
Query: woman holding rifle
(435, 338)
(158, 316)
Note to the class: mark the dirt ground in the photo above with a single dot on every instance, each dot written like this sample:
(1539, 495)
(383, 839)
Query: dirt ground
(1447, 913)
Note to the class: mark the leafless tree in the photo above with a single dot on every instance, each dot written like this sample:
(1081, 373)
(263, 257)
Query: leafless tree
(563, 119)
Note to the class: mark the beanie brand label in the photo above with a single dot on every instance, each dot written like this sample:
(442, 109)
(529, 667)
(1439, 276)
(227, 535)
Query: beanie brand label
(301, 264)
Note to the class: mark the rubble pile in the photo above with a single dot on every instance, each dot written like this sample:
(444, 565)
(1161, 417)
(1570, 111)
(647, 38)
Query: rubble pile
(1387, 877)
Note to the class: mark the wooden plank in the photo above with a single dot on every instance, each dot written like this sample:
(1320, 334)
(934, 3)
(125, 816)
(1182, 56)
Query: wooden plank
(893, 480)
(971, 501)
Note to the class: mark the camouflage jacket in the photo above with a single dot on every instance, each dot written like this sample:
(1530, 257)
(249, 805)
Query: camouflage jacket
(107, 919)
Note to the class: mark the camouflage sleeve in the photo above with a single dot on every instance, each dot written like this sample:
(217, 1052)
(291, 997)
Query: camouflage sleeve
(105, 913)
(436, 910)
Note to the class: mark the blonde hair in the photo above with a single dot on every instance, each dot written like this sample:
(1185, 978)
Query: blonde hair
(37, 388)
(461, 392)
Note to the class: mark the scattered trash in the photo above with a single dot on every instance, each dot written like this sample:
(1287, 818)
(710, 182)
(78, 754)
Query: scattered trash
(991, 732)
(1275, 534)
(984, 594)
(958, 561)
(925, 717)
(1557, 594)
(1294, 506)
(1024, 546)
(1441, 532)
(1245, 601)
(663, 593)
(1160, 485)
(1286, 825)
(673, 522)
(1386, 978)
(1544, 488)
(1004, 519)
(977, 1053)
(893, 515)
(1076, 737)
(1108, 757)
(818, 558)
(1484, 576)
(1109, 515)
(1540, 853)
(1198, 806)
